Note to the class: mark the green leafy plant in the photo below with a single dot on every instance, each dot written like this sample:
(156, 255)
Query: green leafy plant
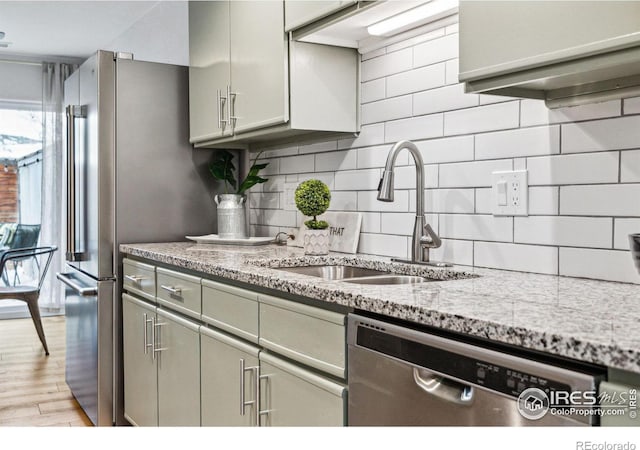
(222, 168)
(312, 199)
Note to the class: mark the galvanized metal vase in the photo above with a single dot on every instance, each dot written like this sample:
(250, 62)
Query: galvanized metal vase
(231, 216)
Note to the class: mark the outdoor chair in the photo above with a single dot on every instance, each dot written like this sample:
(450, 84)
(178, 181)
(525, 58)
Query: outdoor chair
(20, 236)
(28, 293)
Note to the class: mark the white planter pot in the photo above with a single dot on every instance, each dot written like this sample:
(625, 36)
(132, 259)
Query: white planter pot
(316, 242)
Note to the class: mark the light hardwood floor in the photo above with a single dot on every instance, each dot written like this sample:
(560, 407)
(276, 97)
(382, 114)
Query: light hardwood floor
(32, 387)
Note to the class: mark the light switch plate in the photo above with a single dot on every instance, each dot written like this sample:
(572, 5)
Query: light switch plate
(289, 196)
(517, 189)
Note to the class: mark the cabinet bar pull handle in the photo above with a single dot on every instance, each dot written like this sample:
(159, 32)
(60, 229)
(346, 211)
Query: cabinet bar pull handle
(231, 107)
(136, 279)
(146, 340)
(172, 290)
(156, 336)
(220, 103)
(243, 402)
(260, 412)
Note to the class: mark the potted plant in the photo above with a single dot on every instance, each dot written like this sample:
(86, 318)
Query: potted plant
(231, 214)
(312, 199)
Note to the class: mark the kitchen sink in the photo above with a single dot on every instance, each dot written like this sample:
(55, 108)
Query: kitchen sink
(334, 272)
(355, 275)
(388, 279)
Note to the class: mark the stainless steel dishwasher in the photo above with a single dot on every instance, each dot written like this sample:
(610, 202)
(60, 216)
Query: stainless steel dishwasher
(400, 377)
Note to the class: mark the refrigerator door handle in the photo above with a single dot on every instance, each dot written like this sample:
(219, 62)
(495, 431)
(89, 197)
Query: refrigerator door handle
(85, 291)
(72, 112)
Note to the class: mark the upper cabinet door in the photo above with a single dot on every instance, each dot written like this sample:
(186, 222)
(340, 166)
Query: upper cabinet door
(209, 71)
(259, 68)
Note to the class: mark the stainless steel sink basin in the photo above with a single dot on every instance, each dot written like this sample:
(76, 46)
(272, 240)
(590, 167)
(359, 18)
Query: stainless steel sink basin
(333, 272)
(356, 275)
(388, 279)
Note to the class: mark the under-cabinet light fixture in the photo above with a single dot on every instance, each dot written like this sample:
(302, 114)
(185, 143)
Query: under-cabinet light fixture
(415, 17)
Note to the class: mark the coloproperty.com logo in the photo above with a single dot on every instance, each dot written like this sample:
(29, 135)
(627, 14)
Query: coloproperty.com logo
(534, 403)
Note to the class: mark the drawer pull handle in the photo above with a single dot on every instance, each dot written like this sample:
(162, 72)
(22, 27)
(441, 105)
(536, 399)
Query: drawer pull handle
(172, 290)
(135, 279)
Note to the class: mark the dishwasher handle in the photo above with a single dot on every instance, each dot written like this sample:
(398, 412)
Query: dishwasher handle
(448, 390)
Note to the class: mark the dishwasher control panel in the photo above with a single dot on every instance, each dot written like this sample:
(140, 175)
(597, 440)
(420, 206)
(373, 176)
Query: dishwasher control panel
(493, 376)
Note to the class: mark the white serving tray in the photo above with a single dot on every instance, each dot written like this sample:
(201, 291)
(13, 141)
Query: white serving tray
(214, 239)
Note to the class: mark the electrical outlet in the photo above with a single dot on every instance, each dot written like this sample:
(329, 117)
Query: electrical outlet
(510, 193)
(289, 196)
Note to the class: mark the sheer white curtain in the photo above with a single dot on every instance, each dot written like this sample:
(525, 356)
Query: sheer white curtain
(53, 147)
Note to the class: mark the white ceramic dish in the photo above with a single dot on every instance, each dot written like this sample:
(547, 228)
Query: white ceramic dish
(214, 239)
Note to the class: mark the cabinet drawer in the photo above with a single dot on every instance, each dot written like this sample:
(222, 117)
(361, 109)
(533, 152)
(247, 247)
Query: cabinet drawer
(310, 335)
(297, 397)
(231, 309)
(179, 292)
(139, 278)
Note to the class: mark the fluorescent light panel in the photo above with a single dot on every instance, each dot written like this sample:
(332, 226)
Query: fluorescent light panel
(420, 15)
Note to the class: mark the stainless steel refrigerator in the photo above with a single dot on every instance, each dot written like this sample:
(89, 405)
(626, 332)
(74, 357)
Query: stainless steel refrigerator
(132, 176)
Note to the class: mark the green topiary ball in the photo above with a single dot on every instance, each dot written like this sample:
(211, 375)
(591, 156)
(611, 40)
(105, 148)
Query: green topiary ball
(312, 197)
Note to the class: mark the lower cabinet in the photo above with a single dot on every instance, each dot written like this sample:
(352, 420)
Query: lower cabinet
(161, 366)
(228, 370)
(289, 394)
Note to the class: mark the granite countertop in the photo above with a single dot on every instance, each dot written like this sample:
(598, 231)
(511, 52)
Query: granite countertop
(587, 320)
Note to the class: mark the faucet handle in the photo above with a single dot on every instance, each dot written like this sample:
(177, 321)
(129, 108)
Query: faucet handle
(430, 239)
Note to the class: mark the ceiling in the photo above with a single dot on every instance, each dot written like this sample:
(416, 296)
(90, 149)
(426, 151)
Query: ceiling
(66, 28)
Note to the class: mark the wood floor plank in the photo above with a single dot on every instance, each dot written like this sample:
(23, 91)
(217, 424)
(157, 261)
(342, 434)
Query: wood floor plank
(33, 391)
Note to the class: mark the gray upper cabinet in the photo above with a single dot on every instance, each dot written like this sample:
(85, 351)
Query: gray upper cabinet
(249, 84)
(298, 13)
(209, 71)
(565, 52)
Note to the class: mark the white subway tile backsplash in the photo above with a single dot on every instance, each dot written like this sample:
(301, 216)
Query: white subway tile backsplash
(442, 99)
(377, 157)
(370, 222)
(273, 166)
(368, 201)
(389, 109)
(318, 147)
(613, 265)
(600, 200)
(522, 258)
(372, 90)
(622, 229)
(535, 112)
(454, 252)
(630, 166)
(387, 64)
(416, 80)
(476, 227)
(446, 150)
(544, 200)
(405, 177)
(383, 244)
(435, 51)
(564, 231)
(609, 134)
(449, 200)
(333, 161)
(574, 169)
(471, 174)
(344, 201)
(297, 164)
(632, 105)
(583, 163)
(357, 180)
(500, 116)
(369, 135)
(520, 142)
(451, 68)
(422, 127)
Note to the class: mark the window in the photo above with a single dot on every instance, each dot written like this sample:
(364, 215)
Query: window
(20, 164)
